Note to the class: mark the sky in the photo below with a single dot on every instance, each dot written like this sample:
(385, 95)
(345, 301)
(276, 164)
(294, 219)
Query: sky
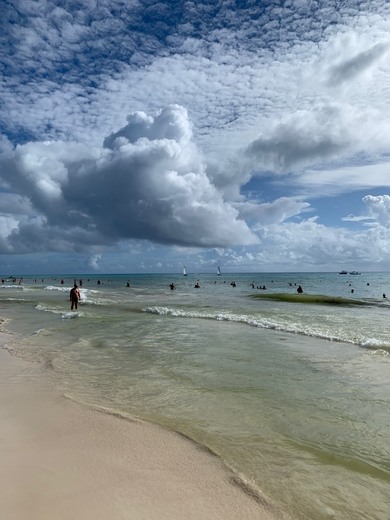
(139, 136)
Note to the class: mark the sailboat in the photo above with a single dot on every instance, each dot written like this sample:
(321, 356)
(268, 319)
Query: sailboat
(219, 271)
(184, 271)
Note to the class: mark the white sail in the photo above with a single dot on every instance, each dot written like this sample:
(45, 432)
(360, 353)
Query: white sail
(219, 271)
(184, 271)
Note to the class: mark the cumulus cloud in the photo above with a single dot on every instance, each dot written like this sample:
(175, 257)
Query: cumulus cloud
(378, 208)
(148, 182)
(310, 245)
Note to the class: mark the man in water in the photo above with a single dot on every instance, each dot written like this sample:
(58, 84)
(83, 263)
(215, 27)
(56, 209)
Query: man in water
(74, 297)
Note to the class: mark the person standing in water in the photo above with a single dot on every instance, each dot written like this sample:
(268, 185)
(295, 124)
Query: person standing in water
(74, 297)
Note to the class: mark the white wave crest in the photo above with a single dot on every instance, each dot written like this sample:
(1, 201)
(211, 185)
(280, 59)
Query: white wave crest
(71, 315)
(261, 322)
(375, 344)
(219, 316)
(65, 315)
(45, 308)
(61, 288)
(39, 331)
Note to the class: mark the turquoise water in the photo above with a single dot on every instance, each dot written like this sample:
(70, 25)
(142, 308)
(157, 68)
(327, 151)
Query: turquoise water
(293, 397)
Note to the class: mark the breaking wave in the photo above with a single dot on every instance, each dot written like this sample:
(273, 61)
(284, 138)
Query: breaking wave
(262, 322)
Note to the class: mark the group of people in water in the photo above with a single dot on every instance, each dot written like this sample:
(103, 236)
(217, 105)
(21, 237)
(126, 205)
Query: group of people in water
(14, 280)
(197, 285)
(75, 296)
(233, 284)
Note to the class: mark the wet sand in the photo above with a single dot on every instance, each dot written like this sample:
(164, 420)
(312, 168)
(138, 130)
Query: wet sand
(63, 461)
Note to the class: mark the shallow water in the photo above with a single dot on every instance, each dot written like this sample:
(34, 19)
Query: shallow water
(294, 397)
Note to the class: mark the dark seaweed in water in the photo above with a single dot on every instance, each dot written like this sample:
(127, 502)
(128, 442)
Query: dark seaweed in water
(310, 298)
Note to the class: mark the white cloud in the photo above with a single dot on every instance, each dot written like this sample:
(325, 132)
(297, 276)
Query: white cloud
(349, 68)
(343, 179)
(286, 95)
(309, 245)
(148, 183)
(93, 262)
(274, 212)
(378, 208)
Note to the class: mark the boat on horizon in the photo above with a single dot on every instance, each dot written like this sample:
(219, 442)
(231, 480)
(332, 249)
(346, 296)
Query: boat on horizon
(343, 272)
(184, 271)
(219, 271)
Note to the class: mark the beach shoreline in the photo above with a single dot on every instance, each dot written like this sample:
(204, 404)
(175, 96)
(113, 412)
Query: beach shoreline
(62, 460)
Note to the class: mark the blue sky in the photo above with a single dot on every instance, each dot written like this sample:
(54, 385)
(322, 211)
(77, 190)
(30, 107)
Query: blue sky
(141, 136)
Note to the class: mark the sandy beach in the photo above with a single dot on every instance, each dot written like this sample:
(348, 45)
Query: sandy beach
(61, 460)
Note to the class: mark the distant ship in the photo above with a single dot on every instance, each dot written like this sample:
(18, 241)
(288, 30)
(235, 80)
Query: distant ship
(184, 271)
(219, 271)
(352, 272)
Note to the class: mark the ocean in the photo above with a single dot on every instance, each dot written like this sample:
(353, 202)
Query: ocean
(293, 396)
